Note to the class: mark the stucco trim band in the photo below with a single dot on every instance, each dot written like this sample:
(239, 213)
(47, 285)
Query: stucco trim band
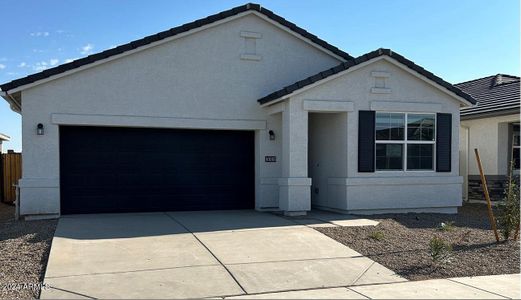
(328, 105)
(405, 106)
(291, 181)
(427, 180)
(156, 122)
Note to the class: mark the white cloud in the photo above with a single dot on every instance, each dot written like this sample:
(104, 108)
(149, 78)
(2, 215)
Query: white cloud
(68, 60)
(39, 33)
(87, 49)
(40, 66)
(23, 64)
(60, 31)
(12, 73)
(2, 66)
(43, 65)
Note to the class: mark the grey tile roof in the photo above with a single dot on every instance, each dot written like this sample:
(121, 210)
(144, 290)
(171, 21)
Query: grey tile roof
(169, 33)
(495, 94)
(353, 62)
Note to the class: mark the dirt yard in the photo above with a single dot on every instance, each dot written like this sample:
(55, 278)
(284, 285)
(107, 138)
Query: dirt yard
(401, 243)
(24, 250)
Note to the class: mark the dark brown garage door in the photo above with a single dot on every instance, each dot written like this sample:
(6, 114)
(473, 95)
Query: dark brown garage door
(132, 169)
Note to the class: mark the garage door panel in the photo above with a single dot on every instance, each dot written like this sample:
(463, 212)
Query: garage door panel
(124, 169)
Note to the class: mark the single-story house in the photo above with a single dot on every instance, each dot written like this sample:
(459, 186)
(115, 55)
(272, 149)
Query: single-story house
(3, 138)
(239, 110)
(492, 127)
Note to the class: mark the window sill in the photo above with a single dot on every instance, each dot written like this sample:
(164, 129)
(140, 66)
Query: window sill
(403, 172)
(404, 180)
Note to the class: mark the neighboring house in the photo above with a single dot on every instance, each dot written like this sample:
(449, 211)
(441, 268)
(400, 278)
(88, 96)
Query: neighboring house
(239, 110)
(3, 138)
(492, 126)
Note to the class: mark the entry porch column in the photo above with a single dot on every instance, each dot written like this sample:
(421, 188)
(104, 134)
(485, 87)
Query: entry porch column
(294, 185)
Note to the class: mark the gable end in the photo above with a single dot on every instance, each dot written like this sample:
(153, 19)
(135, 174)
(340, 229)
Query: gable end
(17, 83)
(277, 95)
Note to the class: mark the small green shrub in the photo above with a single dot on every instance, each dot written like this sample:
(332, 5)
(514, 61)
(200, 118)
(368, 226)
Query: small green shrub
(447, 226)
(508, 209)
(440, 251)
(377, 235)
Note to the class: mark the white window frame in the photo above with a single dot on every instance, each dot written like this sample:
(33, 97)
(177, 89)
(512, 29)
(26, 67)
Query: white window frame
(406, 142)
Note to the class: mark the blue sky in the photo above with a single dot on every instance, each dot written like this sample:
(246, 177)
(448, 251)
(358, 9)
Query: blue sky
(457, 40)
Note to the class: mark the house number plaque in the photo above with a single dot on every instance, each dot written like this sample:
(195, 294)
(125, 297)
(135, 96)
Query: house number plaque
(270, 158)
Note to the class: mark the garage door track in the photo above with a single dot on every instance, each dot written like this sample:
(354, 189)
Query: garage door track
(196, 255)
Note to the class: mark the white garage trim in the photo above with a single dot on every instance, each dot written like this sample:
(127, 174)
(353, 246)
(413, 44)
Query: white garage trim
(39, 182)
(156, 122)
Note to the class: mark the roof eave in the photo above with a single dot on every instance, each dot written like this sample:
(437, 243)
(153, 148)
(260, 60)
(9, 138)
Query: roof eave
(4, 138)
(490, 114)
(13, 104)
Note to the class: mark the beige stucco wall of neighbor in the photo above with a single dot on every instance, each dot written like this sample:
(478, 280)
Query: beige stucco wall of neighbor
(197, 81)
(386, 190)
(491, 137)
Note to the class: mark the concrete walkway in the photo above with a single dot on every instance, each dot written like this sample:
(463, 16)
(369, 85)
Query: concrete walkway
(231, 254)
(480, 287)
(200, 254)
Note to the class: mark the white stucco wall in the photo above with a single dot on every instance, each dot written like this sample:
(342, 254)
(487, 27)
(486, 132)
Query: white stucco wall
(390, 190)
(491, 137)
(200, 81)
(197, 81)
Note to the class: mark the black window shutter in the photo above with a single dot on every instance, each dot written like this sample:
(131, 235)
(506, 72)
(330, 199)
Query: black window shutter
(443, 142)
(366, 120)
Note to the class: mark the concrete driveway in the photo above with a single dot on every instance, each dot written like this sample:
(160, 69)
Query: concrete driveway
(199, 254)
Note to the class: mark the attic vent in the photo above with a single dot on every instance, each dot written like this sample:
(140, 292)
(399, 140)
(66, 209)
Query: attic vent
(380, 82)
(250, 45)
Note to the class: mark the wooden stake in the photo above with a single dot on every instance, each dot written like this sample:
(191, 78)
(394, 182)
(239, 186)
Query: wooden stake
(510, 173)
(487, 197)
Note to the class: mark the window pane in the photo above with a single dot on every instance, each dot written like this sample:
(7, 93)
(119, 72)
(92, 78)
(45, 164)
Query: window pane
(420, 127)
(389, 156)
(390, 126)
(420, 156)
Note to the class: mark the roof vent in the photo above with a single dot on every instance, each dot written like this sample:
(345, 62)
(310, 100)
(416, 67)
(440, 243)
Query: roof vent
(498, 79)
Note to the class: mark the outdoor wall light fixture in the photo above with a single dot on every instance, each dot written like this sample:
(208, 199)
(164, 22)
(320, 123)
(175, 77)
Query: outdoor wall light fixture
(272, 135)
(39, 129)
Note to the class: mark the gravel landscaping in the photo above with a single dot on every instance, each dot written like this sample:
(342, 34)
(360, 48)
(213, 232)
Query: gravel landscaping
(401, 243)
(24, 250)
